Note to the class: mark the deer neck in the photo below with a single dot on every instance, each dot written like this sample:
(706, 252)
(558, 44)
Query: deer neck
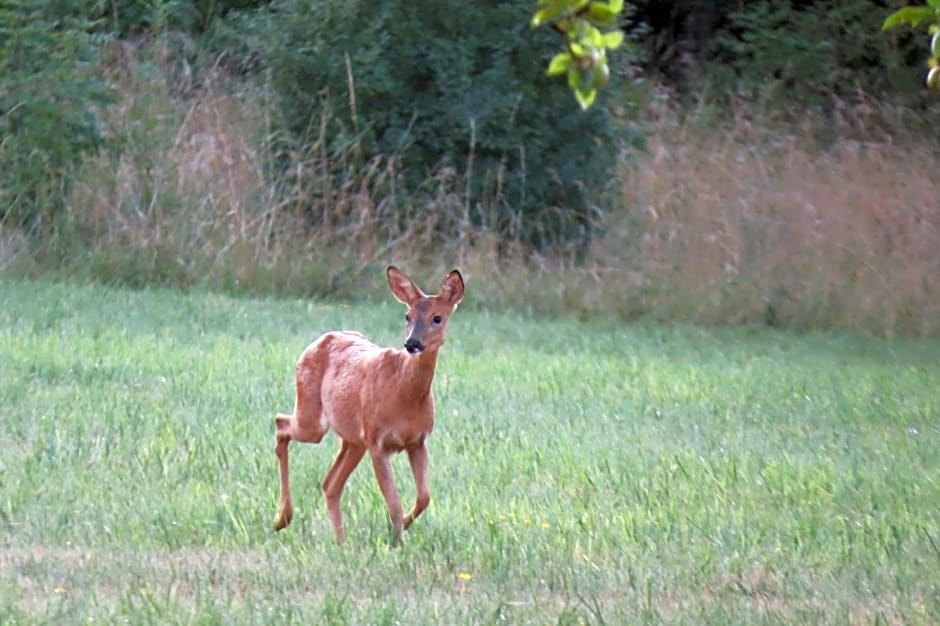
(416, 373)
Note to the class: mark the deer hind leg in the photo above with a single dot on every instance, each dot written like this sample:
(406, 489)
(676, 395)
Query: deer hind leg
(418, 457)
(306, 424)
(346, 461)
(285, 510)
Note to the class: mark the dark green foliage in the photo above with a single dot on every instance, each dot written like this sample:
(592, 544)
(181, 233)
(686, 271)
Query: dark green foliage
(797, 52)
(442, 83)
(49, 97)
(810, 52)
(675, 32)
(189, 16)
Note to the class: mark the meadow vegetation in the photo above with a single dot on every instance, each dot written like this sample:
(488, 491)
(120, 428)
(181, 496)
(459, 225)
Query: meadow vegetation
(580, 472)
(173, 233)
(752, 219)
(211, 146)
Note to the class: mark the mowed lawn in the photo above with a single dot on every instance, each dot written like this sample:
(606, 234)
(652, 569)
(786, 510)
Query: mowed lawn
(580, 473)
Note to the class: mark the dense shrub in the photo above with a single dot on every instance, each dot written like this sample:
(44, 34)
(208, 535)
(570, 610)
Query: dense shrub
(188, 16)
(441, 83)
(800, 50)
(49, 100)
(810, 52)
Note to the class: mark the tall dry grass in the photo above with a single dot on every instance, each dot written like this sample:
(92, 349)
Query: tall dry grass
(749, 220)
(193, 197)
(740, 220)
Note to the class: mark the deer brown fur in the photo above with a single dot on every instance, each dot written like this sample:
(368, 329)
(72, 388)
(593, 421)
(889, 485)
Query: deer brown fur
(377, 400)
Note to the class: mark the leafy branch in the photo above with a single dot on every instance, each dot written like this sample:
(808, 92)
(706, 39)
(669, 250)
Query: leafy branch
(580, 24)
(915, 16)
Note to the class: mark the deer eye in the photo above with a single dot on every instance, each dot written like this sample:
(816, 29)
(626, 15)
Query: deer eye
(437, 319)
(408, 318)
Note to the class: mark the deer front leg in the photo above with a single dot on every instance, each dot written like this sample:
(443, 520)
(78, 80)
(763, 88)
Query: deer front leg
(281, 440)
(418, 457)
(383, 473)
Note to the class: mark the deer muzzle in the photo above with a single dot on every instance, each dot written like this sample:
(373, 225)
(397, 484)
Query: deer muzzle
(414, 346)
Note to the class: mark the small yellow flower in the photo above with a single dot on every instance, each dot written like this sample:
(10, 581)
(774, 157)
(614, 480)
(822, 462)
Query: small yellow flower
(502, 517)
(465, 576)
(58, 590)
(545, 525)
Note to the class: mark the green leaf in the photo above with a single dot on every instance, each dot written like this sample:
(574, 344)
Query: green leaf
(601, 14)
(552, 11)
(617, 5)
(574, 78)
(559, 64)
(594, 37)
(933, 78)
(908, 15)
(546, 15)
(601, 74)
(577, 49)
(585, 97)
(613, 39)
(580, 79)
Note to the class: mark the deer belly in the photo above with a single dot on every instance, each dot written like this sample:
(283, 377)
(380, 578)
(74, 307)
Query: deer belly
(344, 419)
(395, 437)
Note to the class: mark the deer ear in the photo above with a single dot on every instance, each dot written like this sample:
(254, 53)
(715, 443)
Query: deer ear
(403, 288)
(452, 287)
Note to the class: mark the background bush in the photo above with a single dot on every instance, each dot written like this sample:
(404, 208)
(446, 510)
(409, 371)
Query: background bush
(187, 16)
(50, 100)
(434, 84)
(802, 50)
(811, 51)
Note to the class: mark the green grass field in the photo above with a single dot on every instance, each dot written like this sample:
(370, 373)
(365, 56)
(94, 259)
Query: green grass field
(580, 473)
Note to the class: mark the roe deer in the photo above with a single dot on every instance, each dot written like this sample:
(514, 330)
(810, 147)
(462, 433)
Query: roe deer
(376, 399)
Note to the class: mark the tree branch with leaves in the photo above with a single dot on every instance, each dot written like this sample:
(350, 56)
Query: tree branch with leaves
(588, 30)
(915, 17)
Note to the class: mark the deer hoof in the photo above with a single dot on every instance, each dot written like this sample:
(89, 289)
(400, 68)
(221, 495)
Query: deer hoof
(283, 519)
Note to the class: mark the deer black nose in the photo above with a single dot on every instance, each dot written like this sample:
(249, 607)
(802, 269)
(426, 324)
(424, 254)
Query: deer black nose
(413, 346)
